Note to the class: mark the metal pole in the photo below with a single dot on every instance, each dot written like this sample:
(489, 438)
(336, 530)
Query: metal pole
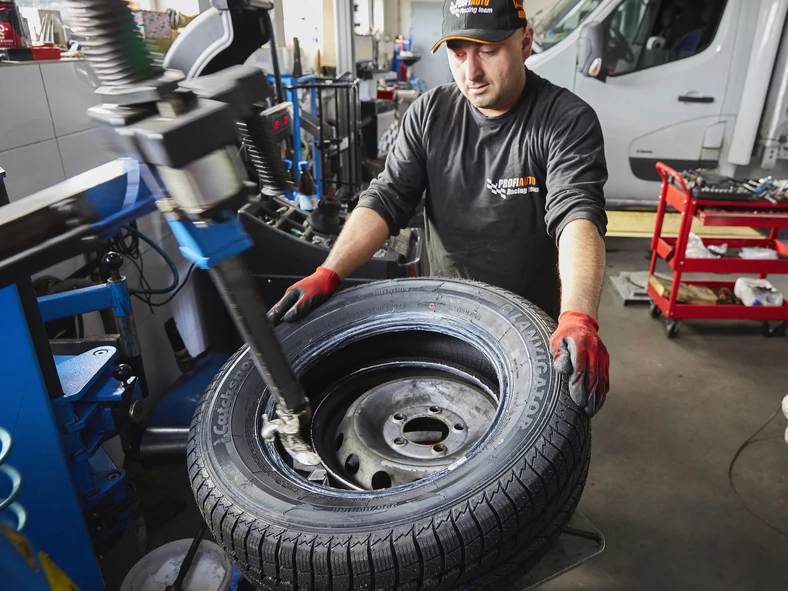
(349, 124)
(297, 156)
(269, 28)
(234, 283)
(279, 20)
(356, 147)
(346, 63)
(343, 36)
(320, 153)
(319, 184)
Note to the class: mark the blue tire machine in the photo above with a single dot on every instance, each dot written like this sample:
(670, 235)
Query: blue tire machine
(59, 407)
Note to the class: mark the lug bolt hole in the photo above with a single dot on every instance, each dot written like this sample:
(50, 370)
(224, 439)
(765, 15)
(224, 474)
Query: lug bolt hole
(439, 449)
(459, 427)
(399, 417)
(399, 441)
(381, 480)
(435, 409)
(352, 464)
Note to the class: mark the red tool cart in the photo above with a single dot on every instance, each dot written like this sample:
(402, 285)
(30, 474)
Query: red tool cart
(711, 212)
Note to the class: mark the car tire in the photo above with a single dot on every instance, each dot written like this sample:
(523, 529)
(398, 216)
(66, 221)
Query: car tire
(481, 523)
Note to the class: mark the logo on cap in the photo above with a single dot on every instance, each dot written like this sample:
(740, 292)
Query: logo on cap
(518, 4)
(460, 7)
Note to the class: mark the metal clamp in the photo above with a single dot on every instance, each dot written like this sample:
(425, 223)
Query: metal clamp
(288, 427)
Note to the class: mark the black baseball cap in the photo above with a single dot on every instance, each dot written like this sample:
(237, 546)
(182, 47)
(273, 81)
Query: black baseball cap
(483, 21)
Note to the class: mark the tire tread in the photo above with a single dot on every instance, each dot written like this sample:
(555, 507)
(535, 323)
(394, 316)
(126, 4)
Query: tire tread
(487, 542)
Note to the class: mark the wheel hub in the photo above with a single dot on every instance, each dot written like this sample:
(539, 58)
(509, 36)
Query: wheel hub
(404, 430)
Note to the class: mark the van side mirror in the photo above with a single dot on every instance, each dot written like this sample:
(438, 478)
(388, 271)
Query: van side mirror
(591, 51)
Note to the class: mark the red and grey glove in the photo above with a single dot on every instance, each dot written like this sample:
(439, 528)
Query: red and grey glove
(306, 295)
(580, 355)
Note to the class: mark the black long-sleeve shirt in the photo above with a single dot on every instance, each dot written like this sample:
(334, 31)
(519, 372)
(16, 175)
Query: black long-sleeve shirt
(499, 190)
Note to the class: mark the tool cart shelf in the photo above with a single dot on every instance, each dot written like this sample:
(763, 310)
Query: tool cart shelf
(714, 212)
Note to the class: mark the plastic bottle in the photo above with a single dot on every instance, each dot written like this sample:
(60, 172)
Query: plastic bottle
(307, 195)
(757, 292)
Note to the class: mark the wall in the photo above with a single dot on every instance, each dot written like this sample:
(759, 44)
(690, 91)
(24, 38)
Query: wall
(531, 6)
(392, 18)
(187, 7)
(328, 52)
(45, 138)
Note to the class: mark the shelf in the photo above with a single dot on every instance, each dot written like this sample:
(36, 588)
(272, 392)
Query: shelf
(678, 199)
(718, 311)
(754, 219)
(727, 265)
(718, 213)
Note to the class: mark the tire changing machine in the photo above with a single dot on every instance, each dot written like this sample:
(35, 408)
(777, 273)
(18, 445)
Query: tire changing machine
(61, 413)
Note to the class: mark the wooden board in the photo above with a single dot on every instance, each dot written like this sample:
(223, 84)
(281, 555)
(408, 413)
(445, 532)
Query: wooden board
(688, 294)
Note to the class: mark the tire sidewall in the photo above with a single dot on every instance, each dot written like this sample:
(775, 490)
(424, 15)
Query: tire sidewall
(247, 471)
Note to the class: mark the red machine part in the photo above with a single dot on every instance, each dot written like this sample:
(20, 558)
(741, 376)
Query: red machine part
(10, 26)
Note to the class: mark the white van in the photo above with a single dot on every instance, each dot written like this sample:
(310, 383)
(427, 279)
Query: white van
(693, 83)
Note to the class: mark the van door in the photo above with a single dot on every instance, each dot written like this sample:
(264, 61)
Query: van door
(668, 64)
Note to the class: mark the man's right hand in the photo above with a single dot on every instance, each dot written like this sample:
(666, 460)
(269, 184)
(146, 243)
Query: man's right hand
(306, 295)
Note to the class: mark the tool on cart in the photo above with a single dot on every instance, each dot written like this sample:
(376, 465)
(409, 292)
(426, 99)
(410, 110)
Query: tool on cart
(705, 184)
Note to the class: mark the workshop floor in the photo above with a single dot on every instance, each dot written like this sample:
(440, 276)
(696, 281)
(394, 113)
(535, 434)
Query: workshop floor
(676, 414)
(658, 487)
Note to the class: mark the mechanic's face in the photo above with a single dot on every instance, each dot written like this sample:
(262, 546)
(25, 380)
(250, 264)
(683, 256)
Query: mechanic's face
(491, 77)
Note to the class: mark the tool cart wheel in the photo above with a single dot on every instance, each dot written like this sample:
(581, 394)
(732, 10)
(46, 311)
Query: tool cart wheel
(654, 311)
(672, 328)
(453, 454)
(770, 331)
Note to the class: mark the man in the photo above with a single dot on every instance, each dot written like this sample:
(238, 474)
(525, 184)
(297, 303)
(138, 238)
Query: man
(514, 170)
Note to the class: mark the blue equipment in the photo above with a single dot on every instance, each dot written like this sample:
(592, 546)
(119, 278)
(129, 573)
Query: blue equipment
(60, 406)
(24, 568)
(29, 382)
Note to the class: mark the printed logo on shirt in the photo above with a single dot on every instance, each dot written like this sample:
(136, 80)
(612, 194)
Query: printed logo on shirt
(461, 7)
(505, 188)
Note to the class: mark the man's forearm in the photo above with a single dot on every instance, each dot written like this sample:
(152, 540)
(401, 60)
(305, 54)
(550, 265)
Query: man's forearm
(581, 264)
(363, 235)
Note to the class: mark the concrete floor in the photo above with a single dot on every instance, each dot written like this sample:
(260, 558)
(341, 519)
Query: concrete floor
(658, 488)
(676, 414)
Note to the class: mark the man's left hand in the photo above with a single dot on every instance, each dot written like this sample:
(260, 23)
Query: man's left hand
(580, 355)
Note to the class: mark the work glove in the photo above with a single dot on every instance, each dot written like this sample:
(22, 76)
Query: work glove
(581, 356)
(306, 295)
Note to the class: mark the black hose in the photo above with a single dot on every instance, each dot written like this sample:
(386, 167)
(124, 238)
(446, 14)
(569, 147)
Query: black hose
(189, 558)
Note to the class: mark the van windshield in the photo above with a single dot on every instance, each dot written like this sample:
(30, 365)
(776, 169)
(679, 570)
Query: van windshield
(561, 20)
